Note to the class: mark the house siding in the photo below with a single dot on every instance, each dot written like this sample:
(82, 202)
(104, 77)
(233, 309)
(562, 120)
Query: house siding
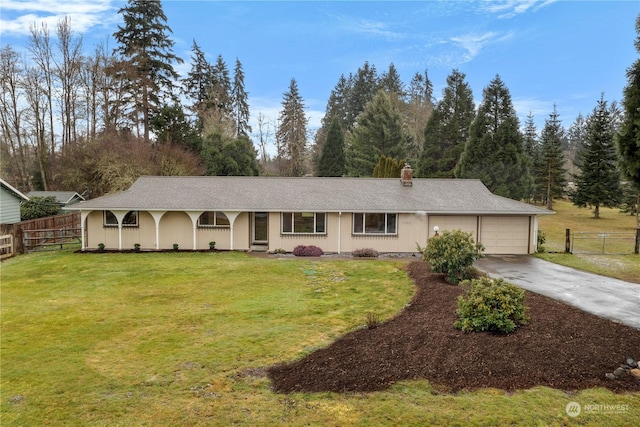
(500, 234)
(9, 207)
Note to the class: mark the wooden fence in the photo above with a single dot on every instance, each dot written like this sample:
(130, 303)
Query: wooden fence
(6, 246)
(67, 225)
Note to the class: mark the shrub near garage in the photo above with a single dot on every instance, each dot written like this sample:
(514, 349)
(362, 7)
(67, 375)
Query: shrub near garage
(491, 305)
(452, 253)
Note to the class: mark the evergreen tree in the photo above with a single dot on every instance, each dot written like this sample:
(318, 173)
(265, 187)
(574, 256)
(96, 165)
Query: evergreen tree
(379, 131)
(390, 82)
(337, 105)
(170, 125)
(332, 158)
(240, 101)
(144, 43)
(629, 135)
(549, 171)
(447, 129)
(494, 152)
(598, 183)
(363, 88)
(532, 149)
(420, 89)
(222, 86)
(576, 134)
(198, 84)
(291, 135)
(223, 156)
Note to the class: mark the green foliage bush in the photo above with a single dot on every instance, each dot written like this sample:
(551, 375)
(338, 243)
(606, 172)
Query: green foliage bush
(451, 253)
(491, 305)
(39, 207)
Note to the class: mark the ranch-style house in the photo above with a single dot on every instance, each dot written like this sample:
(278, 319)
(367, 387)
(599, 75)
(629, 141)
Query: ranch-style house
(339, 215)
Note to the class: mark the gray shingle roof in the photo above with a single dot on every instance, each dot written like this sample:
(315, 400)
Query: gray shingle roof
(63, 197)
(277, 194)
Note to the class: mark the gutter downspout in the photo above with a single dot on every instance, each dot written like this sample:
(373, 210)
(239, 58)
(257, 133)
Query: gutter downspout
(339, 232)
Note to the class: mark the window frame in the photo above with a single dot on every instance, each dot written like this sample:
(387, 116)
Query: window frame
(319, 225)
(125, 222)
(215, 220)
(360, 219)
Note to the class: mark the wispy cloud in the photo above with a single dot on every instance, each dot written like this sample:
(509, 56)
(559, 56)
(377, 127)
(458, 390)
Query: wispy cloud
(511, 8)
(376, 29)
(473, 43)
(18, 16)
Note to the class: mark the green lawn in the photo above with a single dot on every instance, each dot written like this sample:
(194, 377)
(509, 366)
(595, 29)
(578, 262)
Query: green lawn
(623, 265)
(167, 339)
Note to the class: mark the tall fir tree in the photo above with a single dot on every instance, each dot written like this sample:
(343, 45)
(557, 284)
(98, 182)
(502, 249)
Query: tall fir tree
(364, 86)
(447, 129)
(291, 135)
(576, 134)
(222, 86)
(628, 138)
(379, 131)
(598, 182)
(145, 44)
(532, 149)
(332, 158)
(390, 82)
(240, 101)
(549, 171)
(494, 152)
(198, 85)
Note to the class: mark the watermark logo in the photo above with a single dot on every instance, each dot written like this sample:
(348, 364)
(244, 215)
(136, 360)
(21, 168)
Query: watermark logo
(573, 409)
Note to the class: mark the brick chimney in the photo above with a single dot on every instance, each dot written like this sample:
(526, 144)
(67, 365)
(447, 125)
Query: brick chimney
(406, 175)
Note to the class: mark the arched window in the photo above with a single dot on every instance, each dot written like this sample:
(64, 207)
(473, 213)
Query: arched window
(213, 219)
(129, 220)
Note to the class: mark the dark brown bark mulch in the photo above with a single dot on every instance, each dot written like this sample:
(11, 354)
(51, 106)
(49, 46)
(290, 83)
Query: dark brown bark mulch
(562, 347)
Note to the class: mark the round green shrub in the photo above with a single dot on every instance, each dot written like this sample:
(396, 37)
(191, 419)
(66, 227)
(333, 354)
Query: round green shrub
(451, 253)
(491, 305)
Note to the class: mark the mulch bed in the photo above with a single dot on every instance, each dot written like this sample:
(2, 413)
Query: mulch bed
(562, 347)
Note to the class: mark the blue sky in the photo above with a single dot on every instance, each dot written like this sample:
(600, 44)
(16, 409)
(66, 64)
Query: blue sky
(546, 52)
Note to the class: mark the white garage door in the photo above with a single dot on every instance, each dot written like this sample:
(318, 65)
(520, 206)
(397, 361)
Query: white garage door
(504, 234)
(454, 222)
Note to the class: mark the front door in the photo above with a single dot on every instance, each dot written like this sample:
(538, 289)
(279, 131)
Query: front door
(260, 228)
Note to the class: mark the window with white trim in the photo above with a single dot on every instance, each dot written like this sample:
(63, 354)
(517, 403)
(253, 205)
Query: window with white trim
(213, 219)
(304, 223)
(375, 223)
(129, 220)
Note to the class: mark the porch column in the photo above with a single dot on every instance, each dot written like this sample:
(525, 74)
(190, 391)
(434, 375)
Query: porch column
(120, 217)
(194, 215)
(83, 218)
(232, 215)
(157, 216)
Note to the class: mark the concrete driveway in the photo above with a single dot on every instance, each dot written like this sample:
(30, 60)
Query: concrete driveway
(605, 297)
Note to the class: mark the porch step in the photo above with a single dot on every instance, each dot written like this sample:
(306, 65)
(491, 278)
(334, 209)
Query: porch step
(259, 248)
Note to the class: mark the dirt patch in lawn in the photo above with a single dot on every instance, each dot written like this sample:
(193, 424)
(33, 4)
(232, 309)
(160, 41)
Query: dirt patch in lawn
(562, 347)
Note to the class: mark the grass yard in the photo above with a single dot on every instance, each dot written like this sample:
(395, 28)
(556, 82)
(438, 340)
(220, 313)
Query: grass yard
(166, 339)
(623, 265)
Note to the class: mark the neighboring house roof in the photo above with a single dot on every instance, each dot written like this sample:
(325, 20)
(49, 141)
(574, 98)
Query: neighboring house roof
(9, 188)
(279, 194)
(63, 197)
